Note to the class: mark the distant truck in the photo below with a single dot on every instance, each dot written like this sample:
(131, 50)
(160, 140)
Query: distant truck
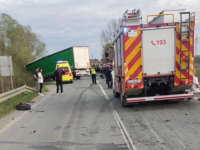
(78, 58)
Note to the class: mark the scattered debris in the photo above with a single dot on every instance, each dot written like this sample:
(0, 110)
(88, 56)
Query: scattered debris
(167, 120)
(33, 131)
(21, 106)
(38, 110)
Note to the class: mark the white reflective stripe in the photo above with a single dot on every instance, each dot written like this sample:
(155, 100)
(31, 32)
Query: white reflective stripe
(157, 98)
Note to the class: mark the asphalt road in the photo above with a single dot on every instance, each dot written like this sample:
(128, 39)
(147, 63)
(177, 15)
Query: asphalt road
(84, 118)
(161, 126)
(78, 120)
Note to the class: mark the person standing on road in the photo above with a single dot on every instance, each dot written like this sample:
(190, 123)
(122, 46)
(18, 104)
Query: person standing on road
(36, 80)
(93, 73)
(40, 81)
(58, 75)
(106, 72)
(195, 87)
(109, 77)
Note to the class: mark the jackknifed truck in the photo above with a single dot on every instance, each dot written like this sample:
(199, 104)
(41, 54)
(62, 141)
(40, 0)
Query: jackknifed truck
(77, 57)
(154, 61)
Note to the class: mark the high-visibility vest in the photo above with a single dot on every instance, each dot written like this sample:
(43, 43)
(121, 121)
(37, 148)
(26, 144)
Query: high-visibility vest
(93, 71)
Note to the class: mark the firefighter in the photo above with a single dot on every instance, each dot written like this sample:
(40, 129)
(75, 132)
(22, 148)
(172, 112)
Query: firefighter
(93, 73)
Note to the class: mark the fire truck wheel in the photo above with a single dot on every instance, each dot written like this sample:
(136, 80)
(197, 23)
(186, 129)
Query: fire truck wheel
(123, 99)
(115, 93)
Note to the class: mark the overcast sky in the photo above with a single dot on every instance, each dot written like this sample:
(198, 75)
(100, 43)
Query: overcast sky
(65, 23)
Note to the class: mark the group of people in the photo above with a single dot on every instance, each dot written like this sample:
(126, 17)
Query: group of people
(39, 80)
(106, 71)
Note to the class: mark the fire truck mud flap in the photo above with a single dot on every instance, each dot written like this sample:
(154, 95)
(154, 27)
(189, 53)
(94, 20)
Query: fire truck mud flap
(160, 98)
(115, 94)
(123, 99)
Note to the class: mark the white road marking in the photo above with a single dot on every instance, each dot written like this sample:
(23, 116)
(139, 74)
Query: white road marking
(123, 130)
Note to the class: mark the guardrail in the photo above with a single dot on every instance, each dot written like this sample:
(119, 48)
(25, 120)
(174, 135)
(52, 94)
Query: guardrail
(12, 93)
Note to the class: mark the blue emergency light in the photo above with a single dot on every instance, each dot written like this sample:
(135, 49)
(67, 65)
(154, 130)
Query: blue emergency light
(125, 29)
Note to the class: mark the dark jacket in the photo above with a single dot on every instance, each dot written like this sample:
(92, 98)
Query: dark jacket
(108, 74)
(58, 74)
(105, 71)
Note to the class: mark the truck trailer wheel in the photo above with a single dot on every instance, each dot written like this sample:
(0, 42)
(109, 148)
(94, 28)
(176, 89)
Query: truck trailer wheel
(23, 106)
(115, 94)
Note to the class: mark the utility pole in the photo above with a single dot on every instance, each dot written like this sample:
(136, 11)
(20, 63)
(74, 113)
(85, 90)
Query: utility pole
(196, 48)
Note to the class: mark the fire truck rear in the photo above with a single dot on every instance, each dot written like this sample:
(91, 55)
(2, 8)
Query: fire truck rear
(154, 61)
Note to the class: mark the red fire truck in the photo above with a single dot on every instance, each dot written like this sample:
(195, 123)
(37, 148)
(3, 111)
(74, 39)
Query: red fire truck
(154, 61)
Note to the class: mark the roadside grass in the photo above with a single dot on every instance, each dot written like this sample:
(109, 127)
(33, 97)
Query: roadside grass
(44, 89)
(8, 106)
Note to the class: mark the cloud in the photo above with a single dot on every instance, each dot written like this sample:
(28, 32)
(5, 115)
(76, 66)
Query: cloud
(65, 23)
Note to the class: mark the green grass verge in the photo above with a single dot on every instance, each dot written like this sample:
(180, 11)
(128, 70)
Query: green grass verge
(8, 106)
(44, 89)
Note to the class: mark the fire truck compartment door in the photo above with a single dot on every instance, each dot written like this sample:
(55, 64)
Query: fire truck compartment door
(158, 49)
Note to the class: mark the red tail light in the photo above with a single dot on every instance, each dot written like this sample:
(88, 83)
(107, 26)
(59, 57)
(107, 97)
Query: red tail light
(68, 74)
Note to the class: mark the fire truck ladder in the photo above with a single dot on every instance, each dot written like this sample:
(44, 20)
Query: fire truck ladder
(184, 38)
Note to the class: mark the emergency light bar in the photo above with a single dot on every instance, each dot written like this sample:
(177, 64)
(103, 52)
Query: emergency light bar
(60, 61)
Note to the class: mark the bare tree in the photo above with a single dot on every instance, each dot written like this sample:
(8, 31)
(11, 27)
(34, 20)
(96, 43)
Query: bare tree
(107, 34)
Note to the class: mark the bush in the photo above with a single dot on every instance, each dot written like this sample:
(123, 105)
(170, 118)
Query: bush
(23, 45)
